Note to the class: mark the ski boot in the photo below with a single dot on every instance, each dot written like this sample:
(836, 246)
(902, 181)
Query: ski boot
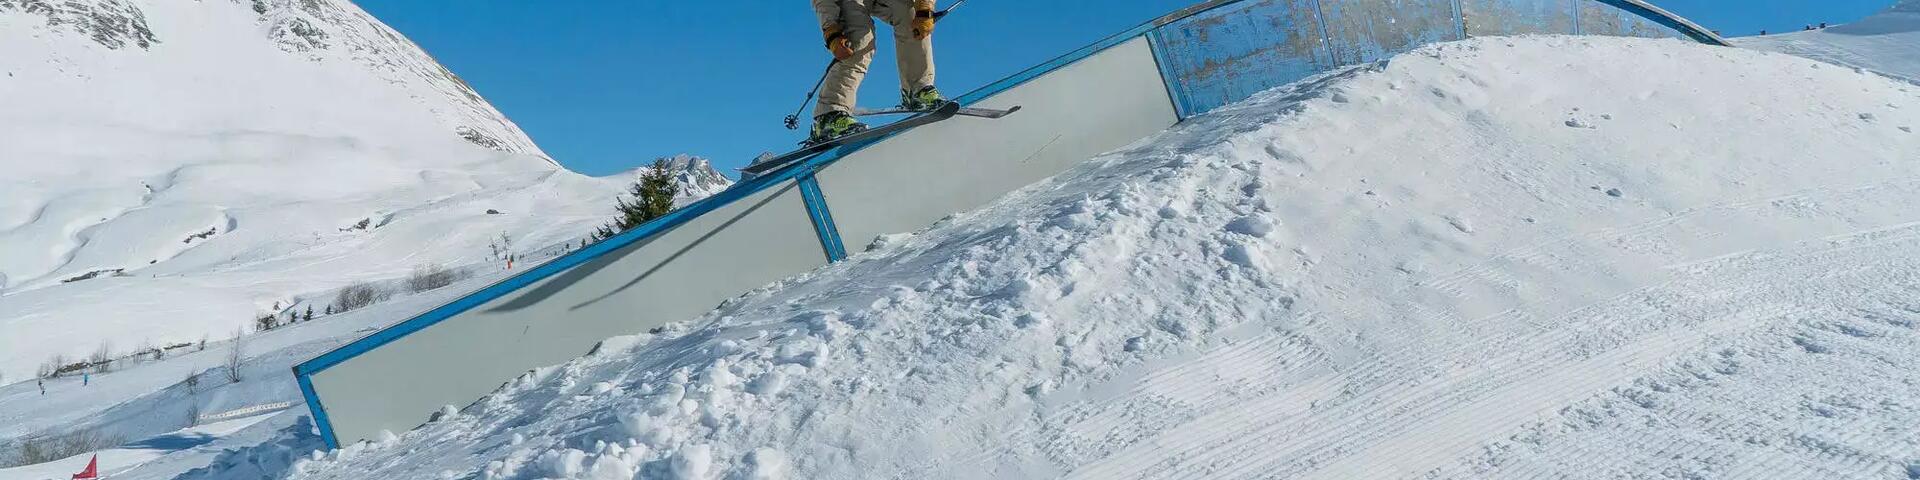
(926, 99)
(832, 125)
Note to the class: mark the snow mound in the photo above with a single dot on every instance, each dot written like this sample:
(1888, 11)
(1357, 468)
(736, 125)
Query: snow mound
(1887, 42)
(1484, 259)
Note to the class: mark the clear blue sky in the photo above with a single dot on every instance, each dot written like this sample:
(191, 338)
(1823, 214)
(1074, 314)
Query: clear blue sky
(605, 86)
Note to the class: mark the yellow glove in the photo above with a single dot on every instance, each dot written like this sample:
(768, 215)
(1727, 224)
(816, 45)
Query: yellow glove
(922, 23)
(838, 44)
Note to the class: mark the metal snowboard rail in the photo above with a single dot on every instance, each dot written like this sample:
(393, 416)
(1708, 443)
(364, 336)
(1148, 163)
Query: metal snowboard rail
(1089, 101)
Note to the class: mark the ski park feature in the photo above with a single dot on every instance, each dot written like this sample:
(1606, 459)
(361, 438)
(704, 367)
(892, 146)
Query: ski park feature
(803, 215)
(1485, 259)
(1497, 257)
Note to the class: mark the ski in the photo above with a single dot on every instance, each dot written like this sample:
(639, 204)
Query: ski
(943, 112)
(964, 112)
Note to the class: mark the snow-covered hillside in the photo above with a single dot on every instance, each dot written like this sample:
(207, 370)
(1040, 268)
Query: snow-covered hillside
(1884, 43)
(150, 404)
(174, 169)
(1497, 258)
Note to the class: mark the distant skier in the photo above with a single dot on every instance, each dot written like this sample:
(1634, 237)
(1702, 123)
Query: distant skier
(42, 383)
(848, 28)
(86, 379)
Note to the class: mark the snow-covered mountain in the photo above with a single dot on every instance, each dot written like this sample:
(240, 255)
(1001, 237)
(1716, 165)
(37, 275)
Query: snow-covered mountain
(334, 36)
(697, 177)
(171, 169)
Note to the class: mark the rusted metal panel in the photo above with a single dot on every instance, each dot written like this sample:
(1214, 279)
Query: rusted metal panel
(1515, 17)
(1366, 30)
(1229, 53)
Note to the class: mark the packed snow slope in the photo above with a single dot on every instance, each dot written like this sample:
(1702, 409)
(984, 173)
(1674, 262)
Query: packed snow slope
(1884, 42)
(174, 169)
(1497, 258)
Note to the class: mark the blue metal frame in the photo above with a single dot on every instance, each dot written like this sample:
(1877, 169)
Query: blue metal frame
(668, 222)
(313, 405)
(803, 174)
(1459, 20)
(1665, 19)
(1182, 106)
(822, 218)
(1576, 19)
(304, 370)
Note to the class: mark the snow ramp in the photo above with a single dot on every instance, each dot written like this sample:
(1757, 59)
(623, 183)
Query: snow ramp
(799, 218)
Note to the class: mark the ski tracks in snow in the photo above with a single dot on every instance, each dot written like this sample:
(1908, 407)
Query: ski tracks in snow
(1277, 406)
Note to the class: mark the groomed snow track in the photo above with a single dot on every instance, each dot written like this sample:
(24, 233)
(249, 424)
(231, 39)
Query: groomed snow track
(802, 217)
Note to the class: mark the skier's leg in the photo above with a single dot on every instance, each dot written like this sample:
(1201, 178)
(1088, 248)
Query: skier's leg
(913, 55)
(842, 87)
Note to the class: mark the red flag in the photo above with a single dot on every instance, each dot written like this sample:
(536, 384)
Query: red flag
(92, 471)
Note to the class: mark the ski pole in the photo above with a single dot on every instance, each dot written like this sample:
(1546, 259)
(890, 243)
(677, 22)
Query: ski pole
(793, 121)
(943, 13)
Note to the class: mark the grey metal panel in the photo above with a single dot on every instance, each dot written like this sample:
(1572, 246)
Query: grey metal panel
(1360, 31)
(1089, 107)
(1229, 53)
(1515, 17)
(676, 275)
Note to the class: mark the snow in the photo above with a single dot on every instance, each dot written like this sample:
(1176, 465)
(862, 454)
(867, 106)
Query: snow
(251, 154)
(1413, 268)
(1882, 43)
(113, 461)
(151, 398)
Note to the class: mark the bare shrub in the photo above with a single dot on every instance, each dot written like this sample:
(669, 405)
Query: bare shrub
(47, 448)
(102, 358)
(235, 354)
(432, 276)
(52, 366)
(356, 296)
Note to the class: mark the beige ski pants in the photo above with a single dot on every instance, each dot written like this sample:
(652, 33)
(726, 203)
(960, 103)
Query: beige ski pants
(855, 19)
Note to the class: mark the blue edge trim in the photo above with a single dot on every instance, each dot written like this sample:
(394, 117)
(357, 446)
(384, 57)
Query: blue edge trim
(810, 190)
(823, 226)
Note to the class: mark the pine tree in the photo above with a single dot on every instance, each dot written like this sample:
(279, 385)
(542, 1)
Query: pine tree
(309, 316)
(652, 197)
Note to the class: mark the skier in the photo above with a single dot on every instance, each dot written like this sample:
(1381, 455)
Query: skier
(42, 383)
(848, 28)
(85, 379)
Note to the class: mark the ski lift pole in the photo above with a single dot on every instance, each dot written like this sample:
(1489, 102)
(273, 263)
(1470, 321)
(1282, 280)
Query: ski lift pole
(793, 121)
